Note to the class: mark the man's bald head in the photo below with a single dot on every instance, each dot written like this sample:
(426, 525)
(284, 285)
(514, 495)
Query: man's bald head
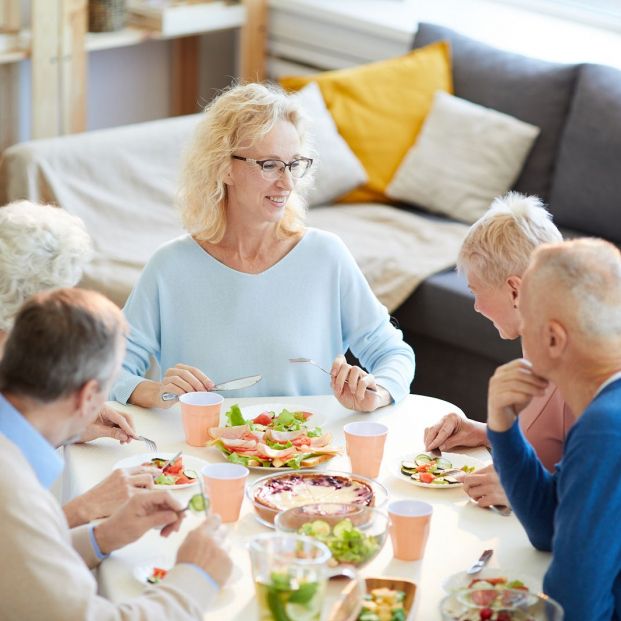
(578, 283)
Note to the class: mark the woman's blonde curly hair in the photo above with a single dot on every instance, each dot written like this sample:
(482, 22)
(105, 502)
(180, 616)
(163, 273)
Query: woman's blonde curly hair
(238, 118)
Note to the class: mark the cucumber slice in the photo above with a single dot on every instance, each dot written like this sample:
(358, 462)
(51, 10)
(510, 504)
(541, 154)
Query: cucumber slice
(440, 481)
(422, 459)
(443, 464)
(409, 464)
(190, 474)
(343, 527)
(407, 471)
(451, 480)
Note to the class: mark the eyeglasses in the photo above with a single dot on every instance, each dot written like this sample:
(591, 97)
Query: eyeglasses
(273, 169)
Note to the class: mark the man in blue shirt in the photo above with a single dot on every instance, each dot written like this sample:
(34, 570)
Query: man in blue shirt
(59, 362)
(570, 304)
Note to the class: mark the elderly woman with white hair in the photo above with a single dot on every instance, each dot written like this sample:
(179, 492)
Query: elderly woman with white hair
(493, 257)
(43, 247)
(250, 286)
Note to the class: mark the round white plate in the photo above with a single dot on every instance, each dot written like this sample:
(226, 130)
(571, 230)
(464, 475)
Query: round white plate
(142, 572)
(461, 580)
(252, 411)
(457, 461)
(189, 463)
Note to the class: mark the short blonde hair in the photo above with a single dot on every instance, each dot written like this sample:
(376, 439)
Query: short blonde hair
(586, 275)
(238, 118)
(500, 243)
(41, 247)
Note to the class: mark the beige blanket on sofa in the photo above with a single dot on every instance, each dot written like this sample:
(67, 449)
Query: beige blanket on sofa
(395, 249)
(122, 182)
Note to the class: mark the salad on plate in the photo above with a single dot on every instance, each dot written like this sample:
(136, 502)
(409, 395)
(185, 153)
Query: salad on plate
(428, 470)
(284, 439)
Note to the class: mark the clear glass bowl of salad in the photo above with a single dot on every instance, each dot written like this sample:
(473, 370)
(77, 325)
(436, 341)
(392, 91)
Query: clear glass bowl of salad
(354, 534)
(490, 604)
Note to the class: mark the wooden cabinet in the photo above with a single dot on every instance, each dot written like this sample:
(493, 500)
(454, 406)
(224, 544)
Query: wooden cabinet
(58, 45)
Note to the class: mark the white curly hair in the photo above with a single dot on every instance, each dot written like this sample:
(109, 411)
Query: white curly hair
(41, 247)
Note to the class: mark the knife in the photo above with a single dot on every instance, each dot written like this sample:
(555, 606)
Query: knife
(235, 384)
(478, 566)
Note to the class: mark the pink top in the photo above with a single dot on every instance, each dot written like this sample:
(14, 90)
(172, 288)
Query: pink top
(545, 423)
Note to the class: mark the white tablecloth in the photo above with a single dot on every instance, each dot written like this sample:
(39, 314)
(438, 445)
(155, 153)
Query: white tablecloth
(460, 530)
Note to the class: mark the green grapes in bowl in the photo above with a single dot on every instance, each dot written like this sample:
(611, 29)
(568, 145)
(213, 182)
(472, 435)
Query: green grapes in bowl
(353, 534)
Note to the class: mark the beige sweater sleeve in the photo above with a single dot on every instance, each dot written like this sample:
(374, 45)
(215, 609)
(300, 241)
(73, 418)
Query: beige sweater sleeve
(44, 577)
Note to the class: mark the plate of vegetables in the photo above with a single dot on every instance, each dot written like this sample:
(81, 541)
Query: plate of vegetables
(492, 578)
(273, 436)
(181, 474)
(427, 470)
(152, 573)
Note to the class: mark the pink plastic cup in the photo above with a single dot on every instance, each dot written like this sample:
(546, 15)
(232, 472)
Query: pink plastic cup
(200, 412)
(409, 528)
(224, 486)
(365, 447)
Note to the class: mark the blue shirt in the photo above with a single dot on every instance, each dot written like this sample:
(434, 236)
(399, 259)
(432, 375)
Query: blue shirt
(39, 453)
(575, 512)
(188, 307)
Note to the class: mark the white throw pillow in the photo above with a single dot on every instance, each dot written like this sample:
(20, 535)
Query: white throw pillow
(464, 157)
(338, 170)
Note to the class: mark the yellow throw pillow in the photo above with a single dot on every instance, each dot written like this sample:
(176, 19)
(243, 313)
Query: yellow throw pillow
(379, 108)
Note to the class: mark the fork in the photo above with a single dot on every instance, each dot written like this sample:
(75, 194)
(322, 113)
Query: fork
(309, 361)
(150, 444)
(479, 564)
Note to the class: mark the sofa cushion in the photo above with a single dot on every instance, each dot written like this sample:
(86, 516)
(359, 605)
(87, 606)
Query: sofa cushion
(464, 157)
(534, 91)
(587, 185)
(337, 169)
(379, 109)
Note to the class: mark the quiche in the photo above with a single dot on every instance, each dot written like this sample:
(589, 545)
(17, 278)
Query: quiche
(296, 489)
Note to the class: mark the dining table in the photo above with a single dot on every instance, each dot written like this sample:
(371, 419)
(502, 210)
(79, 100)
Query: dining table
(460, 530)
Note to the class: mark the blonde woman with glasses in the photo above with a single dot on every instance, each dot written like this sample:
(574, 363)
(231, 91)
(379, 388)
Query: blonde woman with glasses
(249, 286)
(493, 257)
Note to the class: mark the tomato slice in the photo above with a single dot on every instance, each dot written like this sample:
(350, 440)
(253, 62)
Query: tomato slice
(262, 419)
(183, 480)
(426, 477)
(175, 467)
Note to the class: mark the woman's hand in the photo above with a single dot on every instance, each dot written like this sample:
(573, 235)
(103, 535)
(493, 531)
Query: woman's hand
(484, 487)
(349, 385)
(454, 430)
(110, 424)
(179, 379)
(103, 499)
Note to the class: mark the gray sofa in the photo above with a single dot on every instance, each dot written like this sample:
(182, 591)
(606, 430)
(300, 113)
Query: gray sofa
(574, 167)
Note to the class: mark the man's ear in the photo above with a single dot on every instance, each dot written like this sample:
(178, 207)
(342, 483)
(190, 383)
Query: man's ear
(514, 283)
(556, 339)
(86, 398)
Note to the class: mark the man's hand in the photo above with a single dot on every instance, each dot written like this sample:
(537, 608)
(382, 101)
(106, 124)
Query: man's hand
(201, 548)
(349, 385)
(511, 389)
(143, 511)
(107, 496)
(110, 424)
(454, 430)
(484, 487)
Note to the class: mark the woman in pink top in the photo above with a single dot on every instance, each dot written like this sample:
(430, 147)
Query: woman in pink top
(493, 258)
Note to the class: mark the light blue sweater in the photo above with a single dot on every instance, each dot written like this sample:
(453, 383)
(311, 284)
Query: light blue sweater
(189, 308)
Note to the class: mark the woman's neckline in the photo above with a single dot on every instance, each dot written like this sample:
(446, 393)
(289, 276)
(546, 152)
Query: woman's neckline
(269, 268)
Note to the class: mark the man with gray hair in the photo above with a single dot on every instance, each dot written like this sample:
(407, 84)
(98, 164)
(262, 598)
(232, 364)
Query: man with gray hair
(571, 334)
(59, 362)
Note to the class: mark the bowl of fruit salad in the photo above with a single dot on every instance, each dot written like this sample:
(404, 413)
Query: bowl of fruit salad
(354, 534)
(494, 604)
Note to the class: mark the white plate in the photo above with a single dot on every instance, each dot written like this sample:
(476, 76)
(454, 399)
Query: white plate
(457, 461)
(252, 411)
(461, 580)
(189, 463)
(142, 572)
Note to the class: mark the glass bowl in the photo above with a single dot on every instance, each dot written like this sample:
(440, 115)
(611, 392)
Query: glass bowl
(354, 534)
(272, 494)
(499, 605)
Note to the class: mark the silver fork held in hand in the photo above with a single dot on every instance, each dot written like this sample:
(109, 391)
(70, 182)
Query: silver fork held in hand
(309, 361)
(150, 444)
